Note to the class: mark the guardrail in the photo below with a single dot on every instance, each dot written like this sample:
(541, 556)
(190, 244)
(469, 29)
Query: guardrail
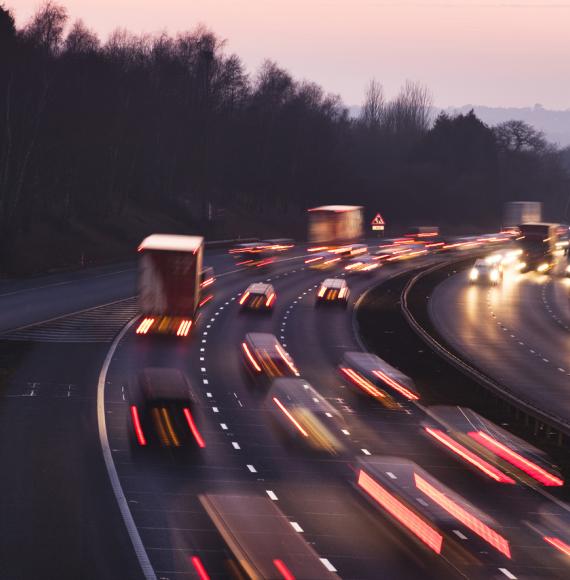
(547, 423)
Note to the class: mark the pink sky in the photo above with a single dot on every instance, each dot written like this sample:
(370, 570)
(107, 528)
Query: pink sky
(485, 52)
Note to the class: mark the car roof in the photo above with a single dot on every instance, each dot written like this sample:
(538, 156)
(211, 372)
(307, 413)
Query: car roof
(164, 383)
(171, 242)
(481, 262)
(264, 340)
(259, 288)
(333, 282)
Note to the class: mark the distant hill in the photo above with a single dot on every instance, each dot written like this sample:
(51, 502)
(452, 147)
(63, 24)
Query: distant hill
(554, 124)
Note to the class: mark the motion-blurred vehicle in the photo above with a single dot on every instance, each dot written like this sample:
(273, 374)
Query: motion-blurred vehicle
(422, 233)
(163, 409)
(489, 449)
(279, 244)
(254, 255)
(438, 519)
(349, 251)
(261, 539)
(265, 357)
(365, 264)
(552, 523)
(169, 283)
(485, 272)
(259, 297)
(207, 279)
(376, 378)
(335, 224)
(333, 291)
(304, 415)
(323, 261)
(542, 245)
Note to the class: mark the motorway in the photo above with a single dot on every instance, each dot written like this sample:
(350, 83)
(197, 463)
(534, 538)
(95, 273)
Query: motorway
(59, 512)
(518, 333)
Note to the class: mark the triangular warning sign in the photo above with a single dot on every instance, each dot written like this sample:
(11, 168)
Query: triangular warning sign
(378, 221)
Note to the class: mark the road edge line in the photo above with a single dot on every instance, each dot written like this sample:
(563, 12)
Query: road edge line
(140, 552)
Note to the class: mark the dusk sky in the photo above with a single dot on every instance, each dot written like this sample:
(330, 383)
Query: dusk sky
(466, 51)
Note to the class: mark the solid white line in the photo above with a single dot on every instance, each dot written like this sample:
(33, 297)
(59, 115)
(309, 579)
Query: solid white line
(138, 546)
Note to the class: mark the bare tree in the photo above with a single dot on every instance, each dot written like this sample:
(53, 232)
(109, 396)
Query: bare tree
(374, 105)
(80, 39)
(518, 136)
(409, 113)
(47, 26)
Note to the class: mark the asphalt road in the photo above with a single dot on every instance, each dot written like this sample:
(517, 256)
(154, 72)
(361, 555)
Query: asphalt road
(518, 333)
(60, 518)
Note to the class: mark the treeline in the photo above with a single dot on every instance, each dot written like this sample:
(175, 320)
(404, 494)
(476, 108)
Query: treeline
(91, 131)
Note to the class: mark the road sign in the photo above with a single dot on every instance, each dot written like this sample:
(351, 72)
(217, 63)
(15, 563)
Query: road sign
(378, 223)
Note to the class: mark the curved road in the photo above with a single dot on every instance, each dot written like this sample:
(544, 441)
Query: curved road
(518, 333)
(56, 495)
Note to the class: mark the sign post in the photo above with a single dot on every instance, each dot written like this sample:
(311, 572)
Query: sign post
(378, 224)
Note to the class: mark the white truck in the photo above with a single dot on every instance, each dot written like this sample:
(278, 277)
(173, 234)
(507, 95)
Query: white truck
(335, 224)
(170, 267)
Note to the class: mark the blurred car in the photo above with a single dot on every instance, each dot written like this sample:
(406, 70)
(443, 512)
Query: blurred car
(485, 272)
(323, 261)
(254, 255)
(432, 515)
(333, 291)
(304, 415)
(163, 409)
(207, 279)
(350, 251)
(365, 264)
(258, 296)
(265, 358)
(376, 378)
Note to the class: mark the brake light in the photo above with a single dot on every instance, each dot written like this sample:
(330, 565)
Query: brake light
(137, 425)
(284, 356)
(290, 417)
(409, 519)
(322, 291)
(145, 326)
(469, 456)
(283, 570)
(270, 299)
(362, 382)
(558, 544)
(250, 357)
(397, 386)
(205, 300)
(313, 259)
(244, 298)
(530, 468)
(458, 512)
(184, 328)
(193, 428)
(197, 563)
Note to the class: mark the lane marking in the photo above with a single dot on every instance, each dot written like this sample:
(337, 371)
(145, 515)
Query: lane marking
(460, 535)
(235, 445)
(224, 426)
(126, 514)
(507, 573)
(326, 563)
(251, 468)
(296, 527)
(271, 494)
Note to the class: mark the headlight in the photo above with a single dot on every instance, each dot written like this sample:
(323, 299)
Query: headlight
(474, 274)
(568, 269)
(494, 275)
(543, 267)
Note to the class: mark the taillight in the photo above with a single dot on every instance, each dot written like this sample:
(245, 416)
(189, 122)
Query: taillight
(193, 428)
(270, 299)
(184, 328)
(250, 357)
(244, 298)
(145, 326)
(137, 425)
